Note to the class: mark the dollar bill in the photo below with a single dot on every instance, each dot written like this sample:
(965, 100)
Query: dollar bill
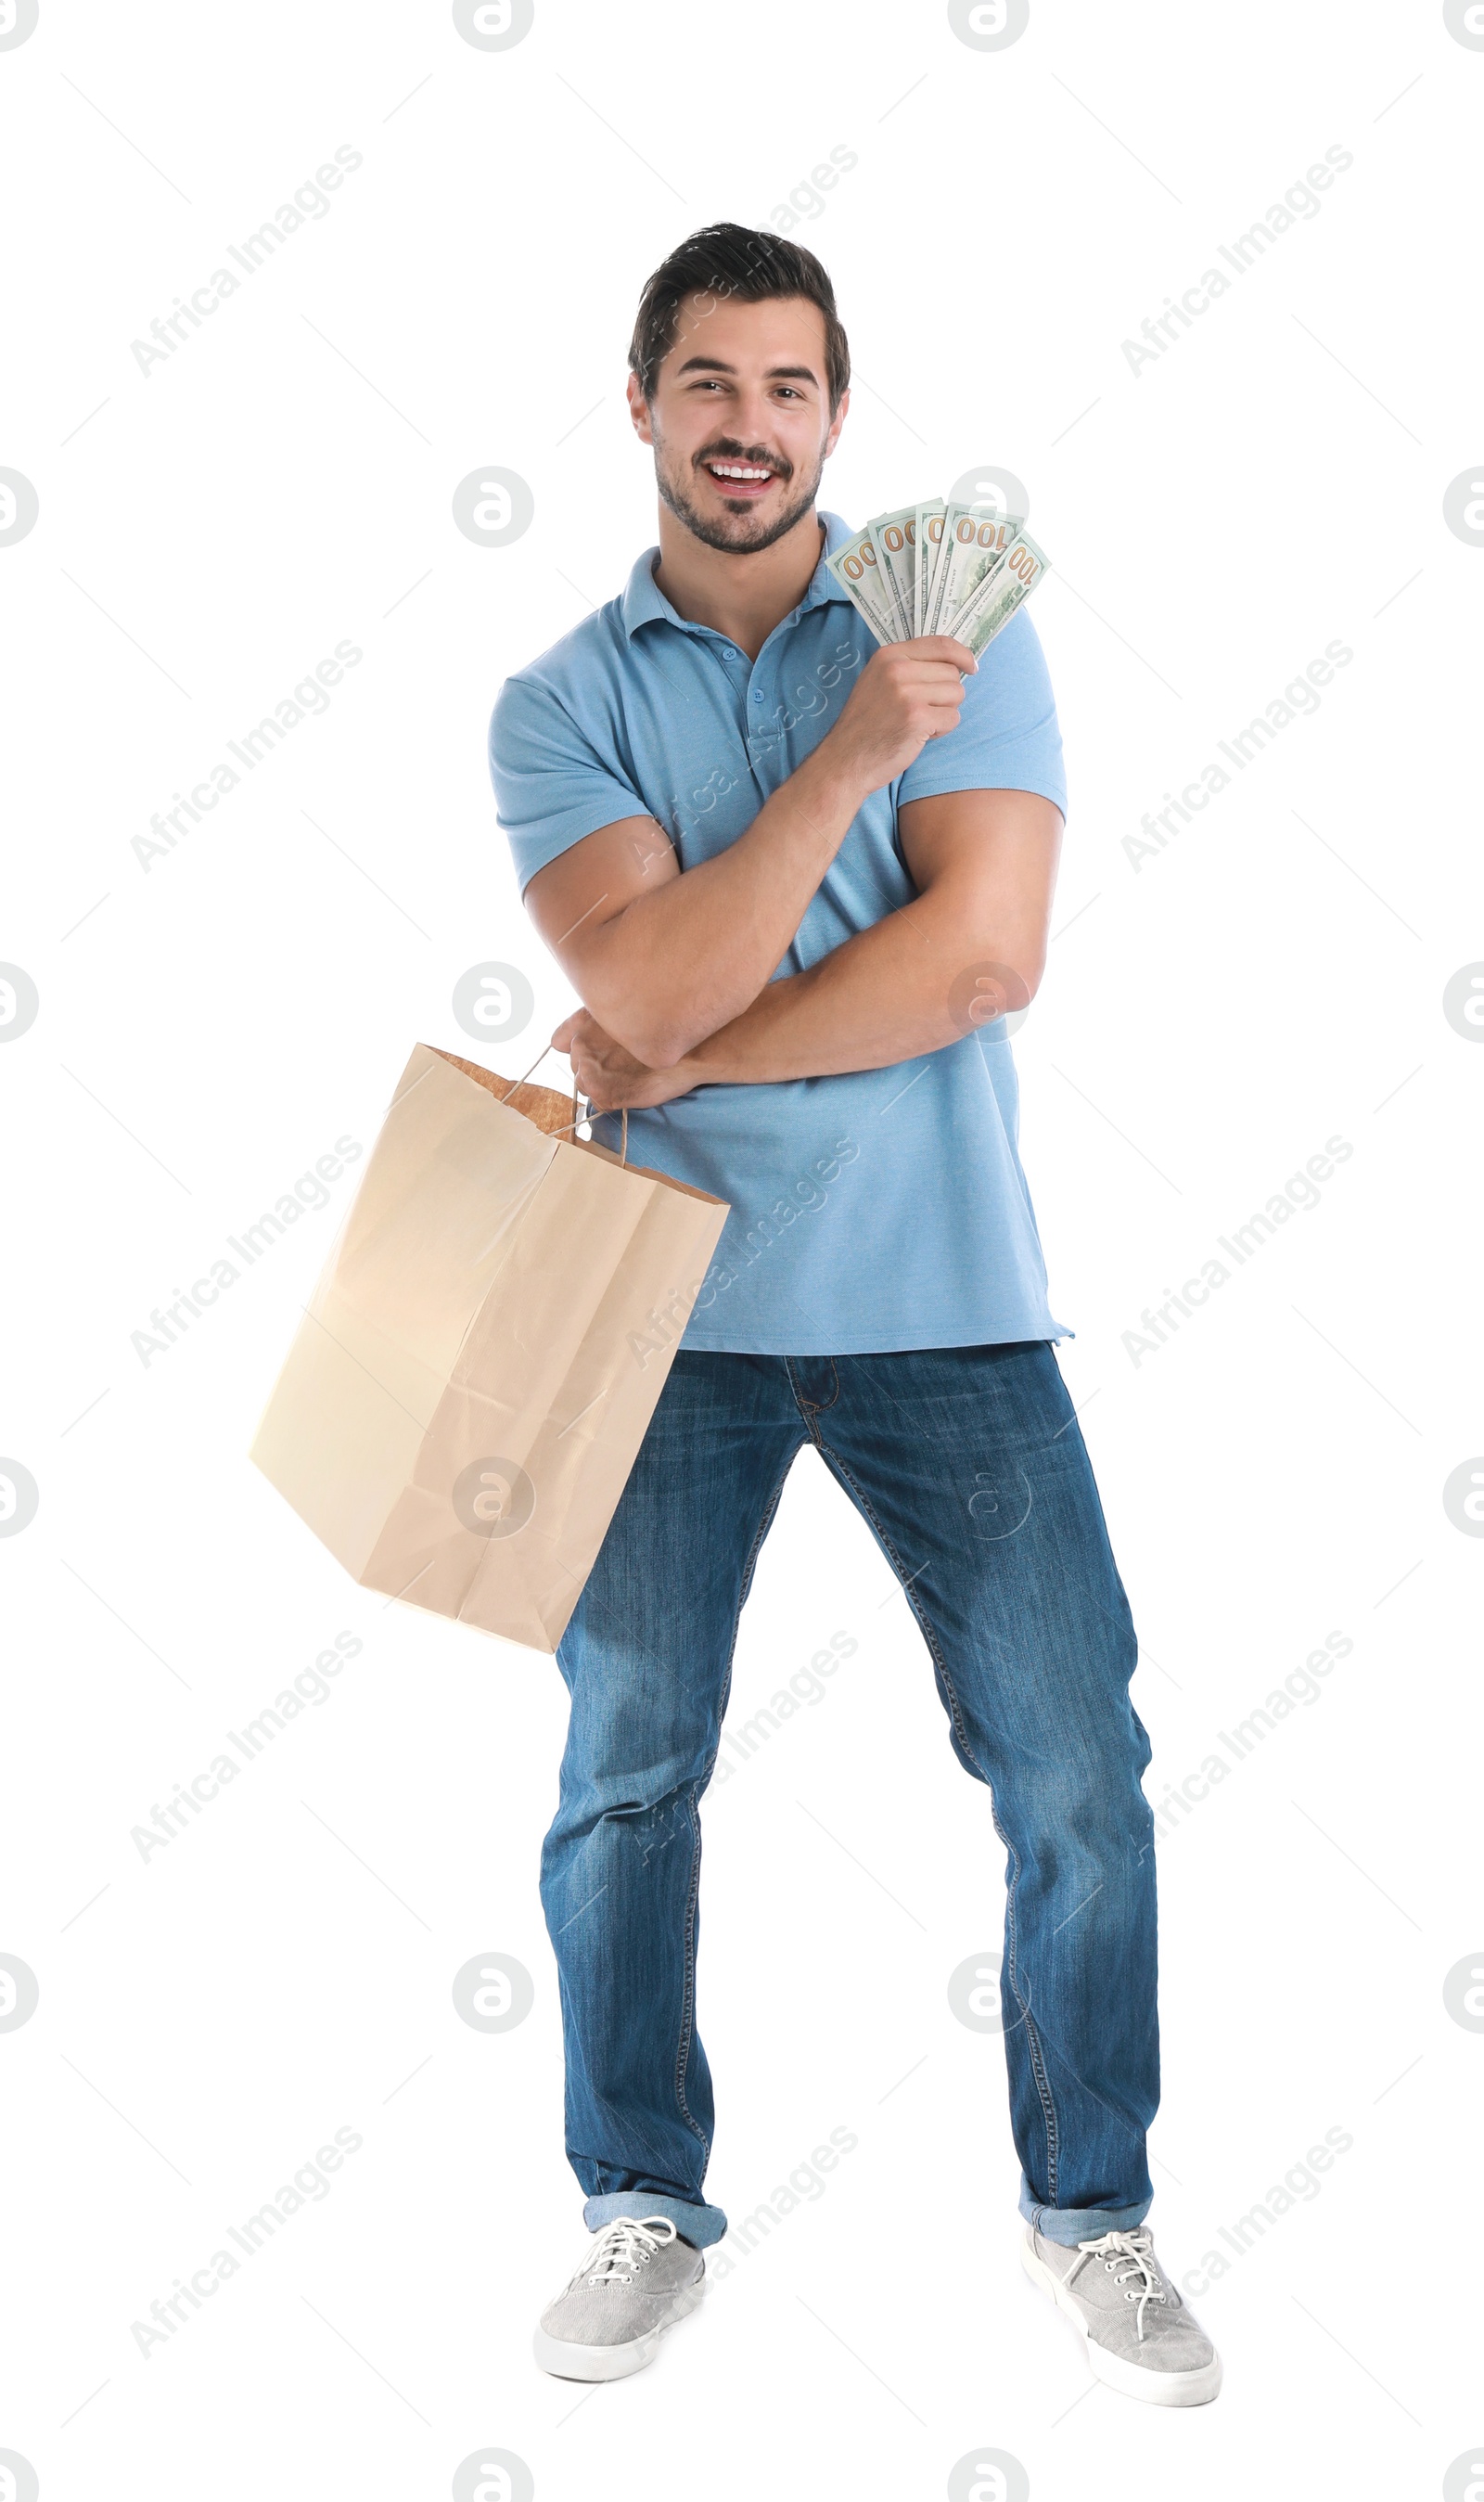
(927, 533)
(858, 571)
(975, 540)
(895, 537)
(963, 569)
(1000, 594)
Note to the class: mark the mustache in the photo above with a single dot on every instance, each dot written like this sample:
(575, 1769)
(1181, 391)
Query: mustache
(752, 453)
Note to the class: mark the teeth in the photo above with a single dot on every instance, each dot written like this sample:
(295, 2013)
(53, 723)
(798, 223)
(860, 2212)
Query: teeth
(721, 470)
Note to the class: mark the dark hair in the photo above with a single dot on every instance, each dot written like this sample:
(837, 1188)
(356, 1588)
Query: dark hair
(748, 264)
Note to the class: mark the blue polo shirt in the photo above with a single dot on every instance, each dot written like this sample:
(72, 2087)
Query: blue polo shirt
(871, 1213)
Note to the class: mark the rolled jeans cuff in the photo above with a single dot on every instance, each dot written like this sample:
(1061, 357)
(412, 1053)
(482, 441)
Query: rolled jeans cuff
(1069, 2225)
(700, 2226)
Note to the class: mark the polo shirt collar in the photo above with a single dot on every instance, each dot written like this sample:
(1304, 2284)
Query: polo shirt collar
(642, 598)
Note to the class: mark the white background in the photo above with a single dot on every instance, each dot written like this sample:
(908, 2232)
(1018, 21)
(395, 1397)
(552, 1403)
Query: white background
(210, 1025)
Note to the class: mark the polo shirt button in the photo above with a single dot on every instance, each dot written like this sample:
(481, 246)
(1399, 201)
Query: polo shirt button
(756, 694)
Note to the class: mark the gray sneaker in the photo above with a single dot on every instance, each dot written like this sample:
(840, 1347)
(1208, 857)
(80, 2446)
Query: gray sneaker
(636, 2280)
(1140, 2337)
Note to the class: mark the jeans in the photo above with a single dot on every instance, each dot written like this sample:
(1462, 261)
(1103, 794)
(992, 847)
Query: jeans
(969, 1468)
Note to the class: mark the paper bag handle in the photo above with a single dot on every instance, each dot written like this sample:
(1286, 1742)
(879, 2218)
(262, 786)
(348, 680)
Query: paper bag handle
(576, 1115)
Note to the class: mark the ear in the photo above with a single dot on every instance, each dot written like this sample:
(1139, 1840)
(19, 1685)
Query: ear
(835, 424)
(638, 410)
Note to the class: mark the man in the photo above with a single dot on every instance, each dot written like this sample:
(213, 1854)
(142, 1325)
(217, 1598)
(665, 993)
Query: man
(794, 877)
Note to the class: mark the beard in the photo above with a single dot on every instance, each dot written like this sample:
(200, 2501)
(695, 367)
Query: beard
(743, 531)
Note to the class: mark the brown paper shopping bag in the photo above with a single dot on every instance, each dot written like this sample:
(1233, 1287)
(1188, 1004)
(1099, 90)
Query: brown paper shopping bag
(474, 1373)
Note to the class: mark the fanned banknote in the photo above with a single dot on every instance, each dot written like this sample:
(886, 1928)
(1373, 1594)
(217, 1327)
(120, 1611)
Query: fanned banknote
(929, 535)
(972, 545)
(858, 571)
(894, 536)
(927, 568)
(1000, 595)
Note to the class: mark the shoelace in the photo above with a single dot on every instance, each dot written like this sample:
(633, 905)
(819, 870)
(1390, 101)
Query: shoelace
(624, 2246)
(1137, 2249)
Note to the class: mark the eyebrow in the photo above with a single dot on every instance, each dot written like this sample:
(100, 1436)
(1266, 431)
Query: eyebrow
(774, 373)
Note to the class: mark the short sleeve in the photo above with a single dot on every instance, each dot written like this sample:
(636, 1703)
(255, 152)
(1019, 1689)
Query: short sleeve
(1007, 736)
(552, 786)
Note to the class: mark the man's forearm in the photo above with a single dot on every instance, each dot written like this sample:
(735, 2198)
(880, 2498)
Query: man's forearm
(886, 994)
(970, 945)
(698, 948)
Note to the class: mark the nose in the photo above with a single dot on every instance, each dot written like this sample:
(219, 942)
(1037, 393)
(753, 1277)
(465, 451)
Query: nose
(753, 418)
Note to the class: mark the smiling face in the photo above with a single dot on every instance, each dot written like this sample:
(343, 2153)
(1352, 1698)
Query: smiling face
(739, 419)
